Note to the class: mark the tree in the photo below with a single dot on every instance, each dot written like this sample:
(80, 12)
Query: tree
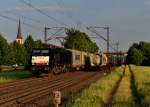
(29, 44)
(15, 53)
(80, 41)
(38, 44)
(4, 50)
(141, 48)
(18, 54)
(134, 56)
(144, 47)
(11, 56)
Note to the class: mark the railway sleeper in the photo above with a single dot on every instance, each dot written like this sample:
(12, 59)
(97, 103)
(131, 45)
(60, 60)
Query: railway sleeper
(44, 94)
(75, 78)
(47, 91)
(28, 90)
(11, 98)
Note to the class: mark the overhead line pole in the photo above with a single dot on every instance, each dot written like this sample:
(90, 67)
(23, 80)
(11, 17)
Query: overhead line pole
(107, 28)
(45, 34)
(91, 28)
(46, 38)
(117, 46)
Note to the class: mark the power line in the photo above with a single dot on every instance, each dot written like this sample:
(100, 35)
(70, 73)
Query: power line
(52, 36)
(43, 13)
(57, 30)
(25, 17)
(9, 18)
(66, 12)
(92, 29)
(76, 20)
(15, 20)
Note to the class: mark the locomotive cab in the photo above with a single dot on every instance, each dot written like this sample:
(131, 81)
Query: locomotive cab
(41, 60)
(45, 60)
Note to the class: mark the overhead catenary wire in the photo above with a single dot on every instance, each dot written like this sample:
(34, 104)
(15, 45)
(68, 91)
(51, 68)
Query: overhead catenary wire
(69, 15)
(52, 36)
(43, 13)
(79, 24)
(15, 20)
(52, 18)
(9, 18)
(25, 17)
(65, 12)
(76, 20)
(92, 29)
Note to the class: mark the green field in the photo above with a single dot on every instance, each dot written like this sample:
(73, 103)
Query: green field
(142, 82)
(133, 90)
(7, 76)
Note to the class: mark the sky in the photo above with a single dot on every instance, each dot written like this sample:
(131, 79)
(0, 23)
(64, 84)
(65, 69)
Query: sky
(128, 20)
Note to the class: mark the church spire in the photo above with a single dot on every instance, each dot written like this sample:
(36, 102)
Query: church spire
(19, 38)
(19, 35)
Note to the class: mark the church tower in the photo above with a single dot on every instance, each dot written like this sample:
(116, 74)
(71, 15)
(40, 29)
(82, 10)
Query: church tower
(19, 38)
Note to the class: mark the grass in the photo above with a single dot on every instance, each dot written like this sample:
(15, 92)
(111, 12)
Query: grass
(142, 78)
(96, 94)
(13, 75)
(123, 97)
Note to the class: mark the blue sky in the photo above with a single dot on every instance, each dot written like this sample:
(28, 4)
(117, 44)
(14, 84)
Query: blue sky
(129, 20)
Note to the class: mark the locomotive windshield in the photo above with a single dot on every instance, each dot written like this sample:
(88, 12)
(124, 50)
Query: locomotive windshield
(40, 52)
(44, 51)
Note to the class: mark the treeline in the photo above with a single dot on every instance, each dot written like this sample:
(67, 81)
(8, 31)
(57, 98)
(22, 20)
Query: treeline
(139, 54)
(14, 53)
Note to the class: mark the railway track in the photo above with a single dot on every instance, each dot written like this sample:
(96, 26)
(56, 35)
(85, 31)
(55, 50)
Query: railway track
(36, 92)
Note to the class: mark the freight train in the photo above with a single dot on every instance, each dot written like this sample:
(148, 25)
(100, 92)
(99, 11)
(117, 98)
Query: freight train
(58, 60)
(117, 60)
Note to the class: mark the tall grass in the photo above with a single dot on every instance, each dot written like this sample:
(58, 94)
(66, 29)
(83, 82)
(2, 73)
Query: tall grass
(13, 75)
(142, 78)
(123, 97)
(97, 93)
